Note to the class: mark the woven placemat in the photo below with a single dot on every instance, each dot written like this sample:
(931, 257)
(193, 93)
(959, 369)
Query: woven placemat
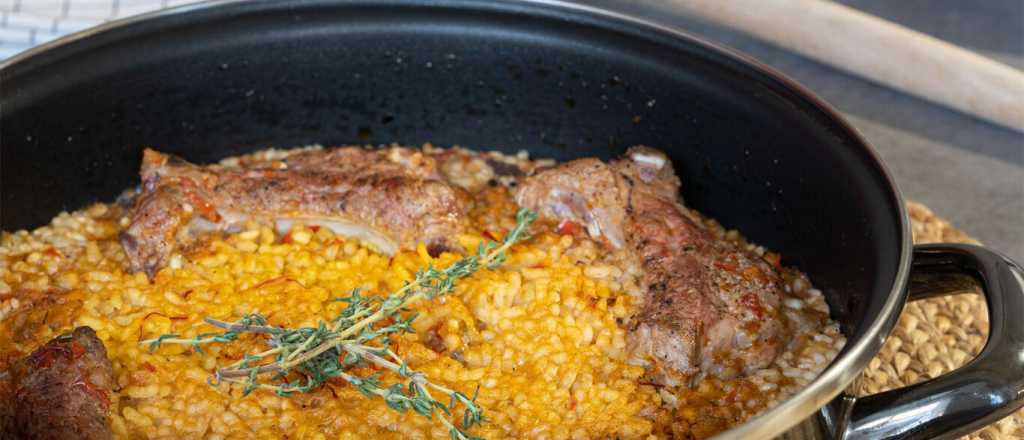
(926, 343)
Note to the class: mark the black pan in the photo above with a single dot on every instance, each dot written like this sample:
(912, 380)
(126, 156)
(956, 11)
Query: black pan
(753, 149)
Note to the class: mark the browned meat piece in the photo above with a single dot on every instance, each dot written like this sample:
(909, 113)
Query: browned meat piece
(391, 198)
(584, 191)
(62, 390)
(709, 307)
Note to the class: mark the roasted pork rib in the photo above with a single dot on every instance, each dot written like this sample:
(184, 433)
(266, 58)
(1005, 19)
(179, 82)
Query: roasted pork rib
(709, 307)
(391, 198)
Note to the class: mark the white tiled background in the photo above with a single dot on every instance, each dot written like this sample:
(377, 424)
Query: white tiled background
(26, 23)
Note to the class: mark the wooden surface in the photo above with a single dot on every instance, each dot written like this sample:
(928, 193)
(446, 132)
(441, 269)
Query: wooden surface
(936, 335)
(879, 50)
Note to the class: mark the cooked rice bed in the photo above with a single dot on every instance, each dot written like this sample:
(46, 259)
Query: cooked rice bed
(543, 336)
(538, 336)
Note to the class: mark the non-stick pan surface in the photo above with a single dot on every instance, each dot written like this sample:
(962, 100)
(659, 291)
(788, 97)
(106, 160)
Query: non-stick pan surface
(752, 149)
(504, 76)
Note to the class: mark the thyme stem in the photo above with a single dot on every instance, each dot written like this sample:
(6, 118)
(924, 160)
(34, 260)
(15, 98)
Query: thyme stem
(230, 326)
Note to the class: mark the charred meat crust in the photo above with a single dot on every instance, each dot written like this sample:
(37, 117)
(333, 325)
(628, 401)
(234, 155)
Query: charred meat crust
(62, 390)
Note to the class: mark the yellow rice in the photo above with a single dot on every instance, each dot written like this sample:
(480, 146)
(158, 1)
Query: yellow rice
(541, 336)
(538, 335)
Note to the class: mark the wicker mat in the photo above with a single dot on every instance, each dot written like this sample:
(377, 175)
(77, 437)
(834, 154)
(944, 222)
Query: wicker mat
(926, 343)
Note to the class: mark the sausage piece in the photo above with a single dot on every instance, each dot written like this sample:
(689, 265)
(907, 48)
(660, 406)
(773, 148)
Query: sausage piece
(61, 391)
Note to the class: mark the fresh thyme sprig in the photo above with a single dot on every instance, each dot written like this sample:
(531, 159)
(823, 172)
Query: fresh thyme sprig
(357, 338)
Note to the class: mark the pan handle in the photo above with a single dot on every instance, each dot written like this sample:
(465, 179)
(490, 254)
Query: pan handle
(986, 389)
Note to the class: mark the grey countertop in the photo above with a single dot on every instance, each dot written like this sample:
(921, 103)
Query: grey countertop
(968, 171)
